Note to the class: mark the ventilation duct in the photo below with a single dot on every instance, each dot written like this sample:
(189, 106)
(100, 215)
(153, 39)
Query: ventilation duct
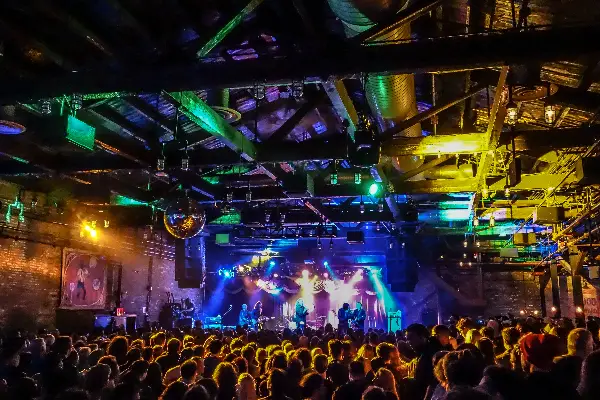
(463, 171)
(391, 97)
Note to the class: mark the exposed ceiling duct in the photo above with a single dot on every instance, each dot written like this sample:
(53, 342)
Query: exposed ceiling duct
(391, 97)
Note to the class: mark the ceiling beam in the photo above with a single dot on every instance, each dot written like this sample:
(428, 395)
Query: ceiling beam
(435, 55)
(288, 126)
(342, 103)
(208, 119)
(430, 113)
(227, 28)
(469, 143)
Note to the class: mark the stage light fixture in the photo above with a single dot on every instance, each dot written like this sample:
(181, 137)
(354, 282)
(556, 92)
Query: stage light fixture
(522, 312)
(362, 206)
(485, 193)
(267, 217)
(506, 191)
(475, 221)
(106, 223)
(461, 264)
(185, 163)
(357, 178)
(536, 312)
(76, 101)
(331, 244)
(512, 113)
(478, 243)
(297, 89)
(380, 205)
(248, 196)
(549, 108)
(275, 275)
(272, 263)
(465, 243)
(464, 255)
(229, 197)
(579, 310)
(333, 178)
(325, 275)
(259, 92)
(46, 106)
(282, 218)
(326, 263)
(374, 189)
(319, 244)
(160, 164)
(377, 226)
(492, 221)
(553, 309)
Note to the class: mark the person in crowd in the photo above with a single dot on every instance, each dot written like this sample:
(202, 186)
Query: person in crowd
(246, 387)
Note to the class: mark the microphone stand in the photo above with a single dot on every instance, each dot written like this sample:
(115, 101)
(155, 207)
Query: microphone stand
(225, 313)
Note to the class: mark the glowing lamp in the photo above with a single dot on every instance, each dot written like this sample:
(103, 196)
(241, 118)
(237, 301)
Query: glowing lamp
(549, 113)
(305, 273)
(579, 310)
(357, 178)
(522, 312)
(553, 309)
(373, 189)
(512, 113)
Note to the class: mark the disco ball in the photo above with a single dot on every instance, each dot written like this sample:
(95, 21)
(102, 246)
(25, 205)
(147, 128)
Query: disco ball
(184, 218)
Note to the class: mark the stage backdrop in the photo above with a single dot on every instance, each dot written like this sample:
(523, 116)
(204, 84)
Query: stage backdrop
(83, 280)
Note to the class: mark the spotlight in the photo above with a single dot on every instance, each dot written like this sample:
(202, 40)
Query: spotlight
(267, 217)
(377, 226)
(464, 255)
(579, 310)
(362, 207)
(319, 244)
(522, 312)
(465, 243)
(478, 243)
(185, 163)
(492, 221)
(507, 191)
(275, 275)
(282, 218)
(272, 264)
(240, 268)
(461, 264)
(325, 275)
(248, 196)
(106, 223)
(512, 113)
(357, 178)
(326, 263)
(229, 197)
(333, 178)
(475, 221)
(331, 244)
(380, 205)
(305, 273)
(485, 193)
(470, 264)
(373, 189)
(536, 312)
(553, 309)
(549, 111)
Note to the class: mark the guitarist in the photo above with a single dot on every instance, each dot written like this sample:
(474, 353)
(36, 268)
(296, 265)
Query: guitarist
(358, 317)
(300, 315)
(244, 317)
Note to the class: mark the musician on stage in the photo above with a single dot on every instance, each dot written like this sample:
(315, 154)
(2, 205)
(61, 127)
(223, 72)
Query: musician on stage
(358, 317)
(300, 315)
(244, 317)
(344, 315)
(188, 308)
(256, 314)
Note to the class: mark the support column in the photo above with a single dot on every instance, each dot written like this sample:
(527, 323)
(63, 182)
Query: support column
(555, 288)
(544, 279)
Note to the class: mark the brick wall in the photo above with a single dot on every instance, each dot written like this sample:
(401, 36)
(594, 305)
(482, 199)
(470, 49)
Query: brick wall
(30, 272)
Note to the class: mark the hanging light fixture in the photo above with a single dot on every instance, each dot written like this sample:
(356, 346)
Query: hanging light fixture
(319, 244)
(229, 196)
(333, 178)
(362, 206)
(160, 163)
(297, 89)
(76, 101)
(331, 243)
(357, 178)
(492, 220)
(475, 221)
(377, 226)
(259, 92)
(248, 196)
(549, 108)
(485, 193)
(380, 205)
(46, 106)
(506, 191)
(512, 111)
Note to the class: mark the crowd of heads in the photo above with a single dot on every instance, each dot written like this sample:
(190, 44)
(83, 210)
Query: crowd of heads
(499, 358)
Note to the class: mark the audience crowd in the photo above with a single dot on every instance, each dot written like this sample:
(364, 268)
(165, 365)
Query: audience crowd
(500, 358)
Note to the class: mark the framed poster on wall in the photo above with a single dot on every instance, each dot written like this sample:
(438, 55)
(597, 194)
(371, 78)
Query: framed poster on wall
(83, 284)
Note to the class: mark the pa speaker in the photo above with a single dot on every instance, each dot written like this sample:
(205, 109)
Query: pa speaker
(402, 269)
(524, 239)
(548, 215)
(355, 237)
(188, 263)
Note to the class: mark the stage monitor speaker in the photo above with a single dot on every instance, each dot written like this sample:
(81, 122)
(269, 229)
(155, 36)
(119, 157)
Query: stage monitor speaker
(524, 239)
(355, 237)
(548, 215)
